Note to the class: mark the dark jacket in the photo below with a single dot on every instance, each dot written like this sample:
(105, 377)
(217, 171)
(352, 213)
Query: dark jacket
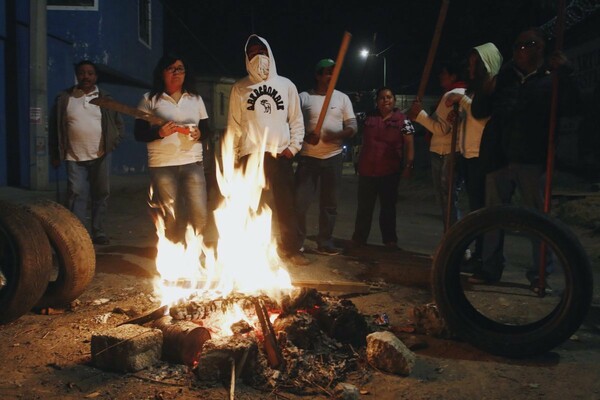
(58, 139)
(520, 114)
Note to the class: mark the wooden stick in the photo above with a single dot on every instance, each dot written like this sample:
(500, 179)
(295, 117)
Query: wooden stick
(334, 77)
(452, 161)
(433, 49)
(559, 33)
(272, 350)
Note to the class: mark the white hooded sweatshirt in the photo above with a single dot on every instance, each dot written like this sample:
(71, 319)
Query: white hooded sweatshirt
(265, 115)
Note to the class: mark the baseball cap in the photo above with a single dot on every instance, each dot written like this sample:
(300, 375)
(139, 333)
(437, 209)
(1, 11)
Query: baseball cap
(324, 63)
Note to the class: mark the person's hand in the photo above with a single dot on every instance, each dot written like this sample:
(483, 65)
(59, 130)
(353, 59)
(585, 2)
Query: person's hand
(312, 138)
(415, 108)
(557, 59)
(55, 163)
(406, 172)
(453, 98)
(452, 116)
(287, 153)
(168, 129)
(194, 132)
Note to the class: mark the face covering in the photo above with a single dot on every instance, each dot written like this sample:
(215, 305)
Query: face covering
(259, 67)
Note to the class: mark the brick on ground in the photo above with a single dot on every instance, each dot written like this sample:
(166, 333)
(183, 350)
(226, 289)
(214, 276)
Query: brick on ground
(126, 348)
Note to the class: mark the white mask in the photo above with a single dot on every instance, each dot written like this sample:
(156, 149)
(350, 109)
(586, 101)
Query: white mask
(259, 67)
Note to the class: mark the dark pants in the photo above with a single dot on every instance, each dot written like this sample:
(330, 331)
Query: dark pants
(279, 175)
(326, 175)
(440, 174)
(89, 180)
(369, 190)
(500, 187)
(475, 185)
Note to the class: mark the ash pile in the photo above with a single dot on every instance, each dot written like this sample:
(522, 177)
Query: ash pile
(313, 344)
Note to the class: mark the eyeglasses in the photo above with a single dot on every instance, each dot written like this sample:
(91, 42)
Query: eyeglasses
(520, 46)
(174, 70)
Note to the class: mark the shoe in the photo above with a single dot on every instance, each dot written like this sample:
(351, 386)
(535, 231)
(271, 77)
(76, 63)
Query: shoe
(101, 240)
(481, 278)
(471, 266)
(355, 244)
(391, 246)
(297, 258)
(328, 250)
(535, 287)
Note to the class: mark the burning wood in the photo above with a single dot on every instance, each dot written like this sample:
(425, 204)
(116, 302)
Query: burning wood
(269, 340)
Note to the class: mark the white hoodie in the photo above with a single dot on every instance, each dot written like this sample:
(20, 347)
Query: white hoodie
(265, 115)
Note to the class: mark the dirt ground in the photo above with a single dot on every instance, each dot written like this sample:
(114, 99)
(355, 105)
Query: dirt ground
(48, 356)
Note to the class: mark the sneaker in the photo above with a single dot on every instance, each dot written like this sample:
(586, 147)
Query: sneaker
(328, 250)
(101, 240)
(481, 278)
(535, 288)
(471, 266)
(297, 259)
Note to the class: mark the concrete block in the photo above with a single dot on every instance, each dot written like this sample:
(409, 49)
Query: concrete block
(126, 348)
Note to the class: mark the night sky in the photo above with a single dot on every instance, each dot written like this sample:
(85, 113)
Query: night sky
(211, 35)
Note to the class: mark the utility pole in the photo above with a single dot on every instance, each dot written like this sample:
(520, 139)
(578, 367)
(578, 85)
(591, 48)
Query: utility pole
(38, 96)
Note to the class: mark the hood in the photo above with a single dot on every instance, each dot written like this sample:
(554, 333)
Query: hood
(491, 57)
(272, 67)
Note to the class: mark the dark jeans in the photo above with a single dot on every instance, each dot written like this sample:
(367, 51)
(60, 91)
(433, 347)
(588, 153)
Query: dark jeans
(475, 184)
(369, 190)
(279, 175)
(440, 174)
(326, 175)
(500, 187)
(89, 180)
(179, 194)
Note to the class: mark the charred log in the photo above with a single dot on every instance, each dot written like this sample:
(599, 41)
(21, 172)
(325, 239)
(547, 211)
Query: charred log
(182, 340)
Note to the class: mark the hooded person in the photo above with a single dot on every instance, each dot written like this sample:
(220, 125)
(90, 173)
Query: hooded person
(484, 63)
(265, 120)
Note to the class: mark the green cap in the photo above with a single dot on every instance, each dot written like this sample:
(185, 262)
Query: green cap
(324, 63)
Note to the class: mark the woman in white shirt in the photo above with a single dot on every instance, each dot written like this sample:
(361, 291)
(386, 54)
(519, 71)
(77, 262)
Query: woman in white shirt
(178, 184)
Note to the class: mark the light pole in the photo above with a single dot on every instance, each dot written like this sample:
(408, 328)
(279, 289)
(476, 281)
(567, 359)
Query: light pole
(365, 54)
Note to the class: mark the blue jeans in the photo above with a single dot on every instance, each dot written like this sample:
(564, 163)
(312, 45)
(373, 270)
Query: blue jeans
(369, 189)
(326, 174)
(440, 174)
(179, 195)
(89, 180)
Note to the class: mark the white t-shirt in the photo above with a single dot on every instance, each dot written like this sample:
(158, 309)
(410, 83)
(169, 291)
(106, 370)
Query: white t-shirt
(340, 110)
(176, 149)
(84, 128)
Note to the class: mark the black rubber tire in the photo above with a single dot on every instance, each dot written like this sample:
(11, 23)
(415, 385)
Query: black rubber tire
(516, 341)
(25, 261)
(74, 259)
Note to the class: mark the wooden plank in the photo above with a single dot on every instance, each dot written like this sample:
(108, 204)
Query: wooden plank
(336, 286)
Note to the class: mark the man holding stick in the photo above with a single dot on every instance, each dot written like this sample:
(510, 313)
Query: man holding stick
(321, 160)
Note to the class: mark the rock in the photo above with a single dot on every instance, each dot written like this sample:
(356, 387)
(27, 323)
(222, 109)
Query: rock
(346, 391)
(387, 353)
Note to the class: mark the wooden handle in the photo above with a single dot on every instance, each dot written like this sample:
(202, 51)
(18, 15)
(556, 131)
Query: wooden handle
(433, 49)
(336, 73)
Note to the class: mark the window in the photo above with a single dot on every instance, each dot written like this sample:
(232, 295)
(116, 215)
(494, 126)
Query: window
(78, 5)
(144, 19)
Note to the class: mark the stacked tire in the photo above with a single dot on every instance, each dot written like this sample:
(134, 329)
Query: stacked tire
(47, 258)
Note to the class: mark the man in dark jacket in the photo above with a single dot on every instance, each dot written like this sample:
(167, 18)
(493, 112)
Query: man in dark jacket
(83, 135)
(515, 141)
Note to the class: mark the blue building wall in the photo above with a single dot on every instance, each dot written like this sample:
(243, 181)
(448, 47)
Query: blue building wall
(109, 37)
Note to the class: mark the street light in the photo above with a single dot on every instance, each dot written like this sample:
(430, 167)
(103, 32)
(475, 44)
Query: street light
(364, 53)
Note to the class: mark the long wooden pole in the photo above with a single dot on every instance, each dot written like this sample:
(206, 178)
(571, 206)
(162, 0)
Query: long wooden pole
(334, 77)
(559, 34)
(433, 49)
(451, 170)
